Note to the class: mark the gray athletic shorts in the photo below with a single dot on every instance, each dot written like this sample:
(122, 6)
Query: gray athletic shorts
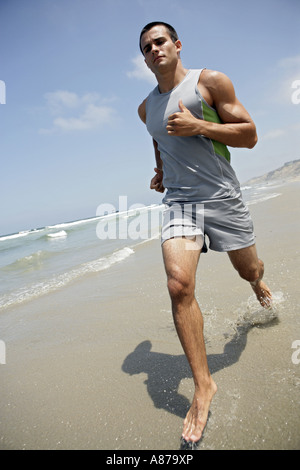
(226, 223)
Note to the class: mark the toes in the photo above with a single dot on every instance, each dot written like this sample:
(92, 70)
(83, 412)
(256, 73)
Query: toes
(188, 445)
(192, 431)
(263, 294)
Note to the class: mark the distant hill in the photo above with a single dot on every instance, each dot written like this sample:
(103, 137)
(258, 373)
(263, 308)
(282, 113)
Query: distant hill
(289, 171)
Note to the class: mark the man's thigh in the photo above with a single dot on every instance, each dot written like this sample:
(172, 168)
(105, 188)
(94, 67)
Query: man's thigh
(181, 257)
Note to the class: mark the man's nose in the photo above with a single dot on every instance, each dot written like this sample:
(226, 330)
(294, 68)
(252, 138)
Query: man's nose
(154, 48)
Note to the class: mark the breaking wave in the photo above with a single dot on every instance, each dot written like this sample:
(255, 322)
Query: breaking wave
(56, 282)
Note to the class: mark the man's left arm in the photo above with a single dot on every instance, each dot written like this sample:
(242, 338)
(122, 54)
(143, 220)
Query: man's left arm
(237, 128)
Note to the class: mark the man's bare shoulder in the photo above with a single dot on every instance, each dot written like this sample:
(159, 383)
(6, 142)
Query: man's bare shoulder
(213, 78)
(216, 86)
(142, 111)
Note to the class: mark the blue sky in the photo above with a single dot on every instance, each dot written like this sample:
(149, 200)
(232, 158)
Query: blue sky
(70, 135)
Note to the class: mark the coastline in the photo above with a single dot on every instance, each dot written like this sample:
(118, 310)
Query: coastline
(98, 365)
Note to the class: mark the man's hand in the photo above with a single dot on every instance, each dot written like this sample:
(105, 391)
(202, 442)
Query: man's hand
(183, 123)
(156, 182)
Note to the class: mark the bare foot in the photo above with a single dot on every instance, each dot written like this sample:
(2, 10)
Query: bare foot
(262, 293)
(196, 418)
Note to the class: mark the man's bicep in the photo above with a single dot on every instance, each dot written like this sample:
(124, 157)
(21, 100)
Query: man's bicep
(233, 112)
(226, 103)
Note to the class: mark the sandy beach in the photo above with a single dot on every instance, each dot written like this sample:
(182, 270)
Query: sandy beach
(98, 365)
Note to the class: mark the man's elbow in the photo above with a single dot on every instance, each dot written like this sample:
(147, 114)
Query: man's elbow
(252, 141)
(252, 137)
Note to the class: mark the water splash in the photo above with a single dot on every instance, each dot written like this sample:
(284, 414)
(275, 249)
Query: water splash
(252, 314)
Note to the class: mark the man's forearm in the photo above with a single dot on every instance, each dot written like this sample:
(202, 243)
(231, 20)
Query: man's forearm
(159, 163)
(242, 134)
(239, 133)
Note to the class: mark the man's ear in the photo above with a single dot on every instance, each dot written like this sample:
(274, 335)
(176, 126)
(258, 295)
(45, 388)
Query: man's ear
(178, 45)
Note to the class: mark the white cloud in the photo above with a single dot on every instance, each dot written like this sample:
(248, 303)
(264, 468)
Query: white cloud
(93, 117)
(289, 132)
(141, 71)
(77, 113)
(274, 134)
(61, 99)
(290, 62)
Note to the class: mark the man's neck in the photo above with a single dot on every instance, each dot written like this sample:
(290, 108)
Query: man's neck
(171, 78)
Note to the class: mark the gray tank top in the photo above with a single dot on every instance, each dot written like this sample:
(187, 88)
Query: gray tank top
(196, 168)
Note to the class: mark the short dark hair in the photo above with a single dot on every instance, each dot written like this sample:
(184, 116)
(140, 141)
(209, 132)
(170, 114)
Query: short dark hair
(171, 31)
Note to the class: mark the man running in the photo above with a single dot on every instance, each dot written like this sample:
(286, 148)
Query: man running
(192, 116)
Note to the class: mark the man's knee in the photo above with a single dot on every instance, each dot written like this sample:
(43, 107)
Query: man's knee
(252, 272)
(180, 287)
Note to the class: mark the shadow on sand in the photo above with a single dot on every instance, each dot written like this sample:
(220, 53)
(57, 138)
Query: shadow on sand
(166, 371)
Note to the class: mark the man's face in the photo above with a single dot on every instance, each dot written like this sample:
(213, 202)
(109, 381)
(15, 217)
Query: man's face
(159, 49)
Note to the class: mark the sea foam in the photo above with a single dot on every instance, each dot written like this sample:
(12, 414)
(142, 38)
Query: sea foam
(60, 234)
(59, 281)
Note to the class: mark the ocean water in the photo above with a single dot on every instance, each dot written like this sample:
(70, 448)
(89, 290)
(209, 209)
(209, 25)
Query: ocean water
(39, 261)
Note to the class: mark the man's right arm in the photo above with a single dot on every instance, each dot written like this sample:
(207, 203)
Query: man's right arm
(142, 111)
(156, 182)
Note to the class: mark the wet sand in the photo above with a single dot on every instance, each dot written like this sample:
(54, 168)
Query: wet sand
(98, 365)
